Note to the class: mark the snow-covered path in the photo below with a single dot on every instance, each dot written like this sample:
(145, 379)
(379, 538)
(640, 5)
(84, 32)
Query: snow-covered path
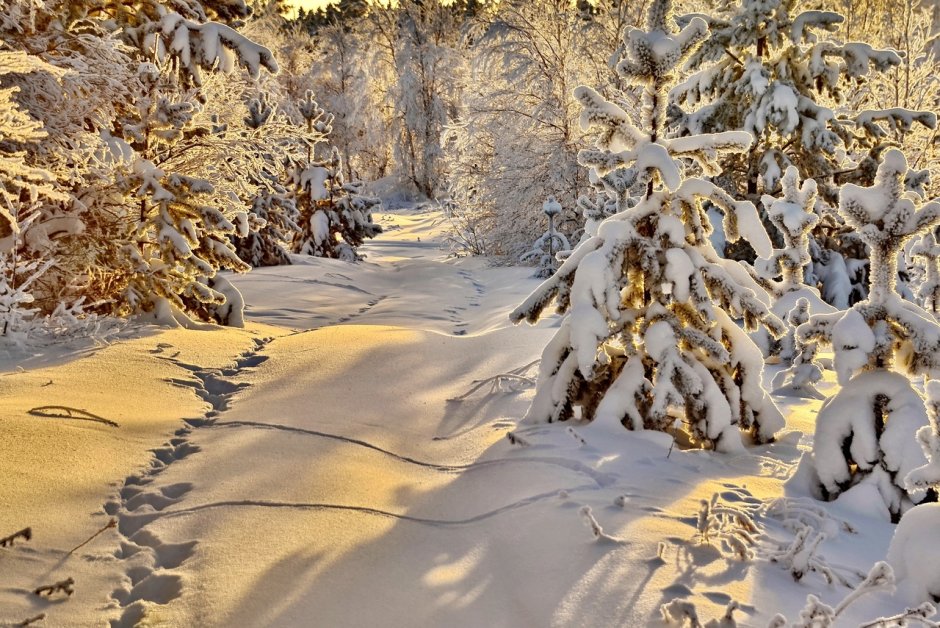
(331, 466)
(346, 469)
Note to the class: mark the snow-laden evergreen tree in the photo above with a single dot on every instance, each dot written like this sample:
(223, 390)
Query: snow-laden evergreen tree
(148, 196)
(865, 434)
(183, 227)
(782, 273)
(766, 69)
(912, 553)
(549, 244)
(793, 216)
(335, 216)
(272, 206)
(649, 335)
(770, 69)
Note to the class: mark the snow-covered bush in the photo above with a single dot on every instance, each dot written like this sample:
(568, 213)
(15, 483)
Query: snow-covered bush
(865, 433)
(915, 560)
(516, 136)
(549, 244)
(649, 337)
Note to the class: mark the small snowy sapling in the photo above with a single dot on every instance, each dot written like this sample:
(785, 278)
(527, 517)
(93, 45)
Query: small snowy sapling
(549, 244)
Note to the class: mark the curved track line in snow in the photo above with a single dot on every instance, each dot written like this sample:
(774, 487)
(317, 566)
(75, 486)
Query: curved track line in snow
(601, 479)
(250, 503)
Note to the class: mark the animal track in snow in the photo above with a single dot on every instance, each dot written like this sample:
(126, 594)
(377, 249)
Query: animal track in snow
(150, 562)
(363, 310)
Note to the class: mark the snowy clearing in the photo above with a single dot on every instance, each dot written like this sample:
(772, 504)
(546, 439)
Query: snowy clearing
(343, 461)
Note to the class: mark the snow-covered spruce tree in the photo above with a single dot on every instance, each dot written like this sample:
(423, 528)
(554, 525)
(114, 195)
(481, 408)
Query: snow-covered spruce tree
(183, 228)
(549, 244)
(335, 217)
(792, 215)
(272, 204)
(866, 432)
(649, 334)
(911, 554)
(766, 69)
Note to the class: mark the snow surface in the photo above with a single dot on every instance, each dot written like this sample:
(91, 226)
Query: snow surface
(347, 459)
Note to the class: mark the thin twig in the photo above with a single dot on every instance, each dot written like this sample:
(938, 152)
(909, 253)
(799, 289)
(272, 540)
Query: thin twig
(64, 412)
(65, 586)
(32, 620)
(25, 534)
(111, 523)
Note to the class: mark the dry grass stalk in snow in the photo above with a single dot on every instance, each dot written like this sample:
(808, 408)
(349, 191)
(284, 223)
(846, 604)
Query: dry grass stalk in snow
(112, 523)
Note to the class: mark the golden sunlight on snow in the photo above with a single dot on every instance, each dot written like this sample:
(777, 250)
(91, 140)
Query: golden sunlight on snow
(56, 467)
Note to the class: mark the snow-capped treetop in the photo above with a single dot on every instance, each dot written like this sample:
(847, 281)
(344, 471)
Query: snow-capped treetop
(315, 117)
(793, 216)
(260, 109)
(551, 207)
(886, 217)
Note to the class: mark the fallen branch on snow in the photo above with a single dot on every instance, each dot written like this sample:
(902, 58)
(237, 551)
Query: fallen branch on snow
(64, 412)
